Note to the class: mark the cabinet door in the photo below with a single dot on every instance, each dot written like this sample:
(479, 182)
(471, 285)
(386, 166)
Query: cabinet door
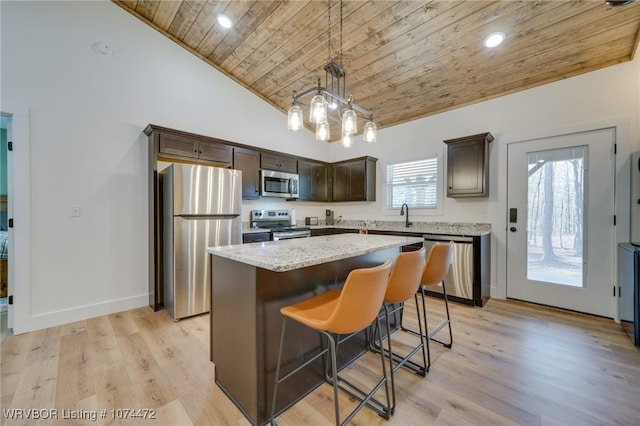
(279, 163)
(248, 161)
(340, 181)
(216, 152)
(313, 181)
(178, 145)
(256, 237)
(468, 166)
(355, 180)
(465, 169)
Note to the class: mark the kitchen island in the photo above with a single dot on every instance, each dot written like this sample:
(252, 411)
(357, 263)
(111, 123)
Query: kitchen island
(249, 285)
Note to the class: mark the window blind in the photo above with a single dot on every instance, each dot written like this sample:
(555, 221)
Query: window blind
(414, 183)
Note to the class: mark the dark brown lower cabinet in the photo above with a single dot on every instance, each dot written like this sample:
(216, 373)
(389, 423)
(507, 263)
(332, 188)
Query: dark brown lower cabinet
(256, 237)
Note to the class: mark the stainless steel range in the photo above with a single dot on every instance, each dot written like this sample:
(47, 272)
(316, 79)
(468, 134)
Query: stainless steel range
(279, 222)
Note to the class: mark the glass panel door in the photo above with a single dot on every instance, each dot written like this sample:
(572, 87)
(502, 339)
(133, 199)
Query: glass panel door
(555, 216)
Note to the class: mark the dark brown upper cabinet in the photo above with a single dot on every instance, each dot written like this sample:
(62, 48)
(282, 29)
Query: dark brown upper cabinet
(354, 180)
(468, 166)
(173, 146)
(248, 161)
(314, 182)
(277, 162)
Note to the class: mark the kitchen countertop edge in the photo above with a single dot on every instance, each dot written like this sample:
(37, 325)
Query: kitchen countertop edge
(288, 255)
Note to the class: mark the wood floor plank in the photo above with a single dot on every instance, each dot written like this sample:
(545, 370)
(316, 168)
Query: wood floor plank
(75, 379)
(512, 363)
(13, 361)
(151, 385)
(114, 391)
(174, 413)
(37, 388)
(104, 342)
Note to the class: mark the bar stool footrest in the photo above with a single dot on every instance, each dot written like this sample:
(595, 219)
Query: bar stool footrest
(364, 398)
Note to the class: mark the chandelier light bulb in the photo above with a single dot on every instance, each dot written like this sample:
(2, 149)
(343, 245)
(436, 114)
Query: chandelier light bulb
(331, 98)
(370, 132)
(294, 121)
(349, 122)
(347, 140)
(318, 109)
(322, 131)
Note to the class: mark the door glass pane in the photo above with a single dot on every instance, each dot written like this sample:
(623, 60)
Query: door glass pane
(556, 216)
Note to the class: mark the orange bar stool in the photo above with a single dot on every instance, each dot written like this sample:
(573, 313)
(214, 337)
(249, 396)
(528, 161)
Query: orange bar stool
(403, 284)
(435, 271)
(342, 312)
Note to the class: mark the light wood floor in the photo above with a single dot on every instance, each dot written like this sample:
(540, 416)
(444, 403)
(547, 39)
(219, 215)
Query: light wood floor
(511, 363)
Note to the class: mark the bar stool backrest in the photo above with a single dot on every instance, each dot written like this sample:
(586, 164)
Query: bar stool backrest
(406, 273)
(360, 299)
(438, 262)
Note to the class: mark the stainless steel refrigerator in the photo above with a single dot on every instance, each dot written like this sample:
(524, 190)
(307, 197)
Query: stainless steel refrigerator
(201, 207)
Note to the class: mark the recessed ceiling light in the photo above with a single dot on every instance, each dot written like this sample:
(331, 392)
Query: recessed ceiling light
(615, 3)
(494, 39)
(225, 21)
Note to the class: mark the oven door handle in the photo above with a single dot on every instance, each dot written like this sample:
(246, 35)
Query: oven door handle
(289, 235)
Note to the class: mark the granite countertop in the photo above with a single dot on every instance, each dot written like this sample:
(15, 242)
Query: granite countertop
(287, 255)
(441, 228)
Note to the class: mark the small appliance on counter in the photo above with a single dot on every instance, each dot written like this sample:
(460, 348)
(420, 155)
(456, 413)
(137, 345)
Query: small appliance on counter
(279, 222)
(328, 217)
(311, 221)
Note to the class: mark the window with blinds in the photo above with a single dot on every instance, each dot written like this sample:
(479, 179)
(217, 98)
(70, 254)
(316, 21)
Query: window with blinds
(414, 183)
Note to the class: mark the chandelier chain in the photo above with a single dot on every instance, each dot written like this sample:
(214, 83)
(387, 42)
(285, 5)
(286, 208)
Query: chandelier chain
(333, 96)
(340, 32)
(329, 30)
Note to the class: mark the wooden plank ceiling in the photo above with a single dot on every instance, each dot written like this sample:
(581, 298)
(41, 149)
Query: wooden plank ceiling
(405, 59)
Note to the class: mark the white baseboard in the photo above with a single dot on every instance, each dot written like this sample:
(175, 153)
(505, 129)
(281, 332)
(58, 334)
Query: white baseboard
(79, 313)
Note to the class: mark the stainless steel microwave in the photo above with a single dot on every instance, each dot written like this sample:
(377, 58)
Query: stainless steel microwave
(278, 184)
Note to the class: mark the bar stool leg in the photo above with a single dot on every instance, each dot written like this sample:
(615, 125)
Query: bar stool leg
(277, 379)
(334, 371)
(426, 329)
(419, 369)
(384, 411)
(446, 323)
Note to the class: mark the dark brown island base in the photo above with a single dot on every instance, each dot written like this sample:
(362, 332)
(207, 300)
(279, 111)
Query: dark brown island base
(249, 285)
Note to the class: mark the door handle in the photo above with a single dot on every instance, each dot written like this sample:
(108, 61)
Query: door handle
(513, 229)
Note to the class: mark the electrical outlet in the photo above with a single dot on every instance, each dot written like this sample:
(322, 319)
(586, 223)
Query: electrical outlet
(75, 210)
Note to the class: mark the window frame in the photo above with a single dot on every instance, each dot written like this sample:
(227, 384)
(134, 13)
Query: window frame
(422, 211)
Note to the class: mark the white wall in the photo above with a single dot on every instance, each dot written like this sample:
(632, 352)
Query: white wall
(85, 115)
(604, 98)
(81, 115)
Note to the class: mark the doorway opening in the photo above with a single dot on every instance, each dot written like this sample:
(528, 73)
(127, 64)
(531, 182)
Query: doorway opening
(4, 234)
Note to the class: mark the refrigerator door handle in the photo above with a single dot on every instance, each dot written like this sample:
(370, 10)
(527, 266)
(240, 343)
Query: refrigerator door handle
(208, 217)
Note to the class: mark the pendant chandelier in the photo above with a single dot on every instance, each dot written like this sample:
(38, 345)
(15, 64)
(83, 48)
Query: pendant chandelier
(330, 101)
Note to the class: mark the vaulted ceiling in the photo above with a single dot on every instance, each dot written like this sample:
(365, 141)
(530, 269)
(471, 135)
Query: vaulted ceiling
(405, 59)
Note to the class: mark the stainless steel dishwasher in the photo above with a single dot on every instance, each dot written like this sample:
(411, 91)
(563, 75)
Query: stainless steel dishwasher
(459, 280)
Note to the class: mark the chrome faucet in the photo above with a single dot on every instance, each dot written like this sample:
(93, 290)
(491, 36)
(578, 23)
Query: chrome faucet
(406, 219)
